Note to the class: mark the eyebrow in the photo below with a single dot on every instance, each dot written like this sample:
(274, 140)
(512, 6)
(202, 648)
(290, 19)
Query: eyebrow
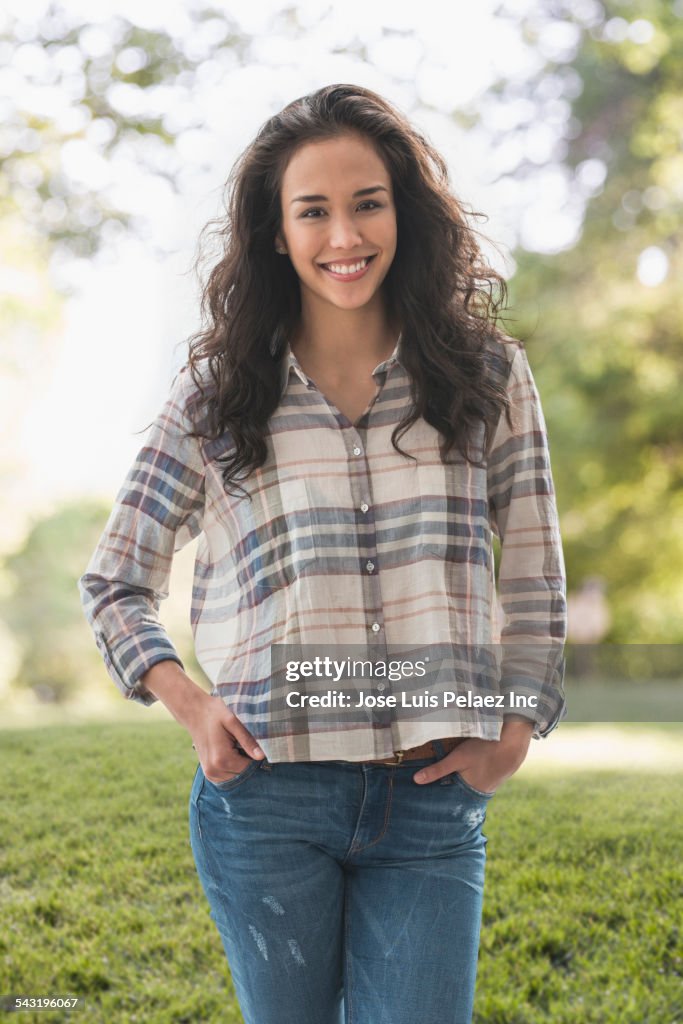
(360, 192)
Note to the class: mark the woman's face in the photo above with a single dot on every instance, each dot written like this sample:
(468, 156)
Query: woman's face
(338, 221)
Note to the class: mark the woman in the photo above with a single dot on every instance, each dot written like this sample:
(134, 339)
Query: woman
(351, 431)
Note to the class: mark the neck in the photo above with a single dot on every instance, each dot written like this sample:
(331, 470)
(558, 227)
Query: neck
(344, 337)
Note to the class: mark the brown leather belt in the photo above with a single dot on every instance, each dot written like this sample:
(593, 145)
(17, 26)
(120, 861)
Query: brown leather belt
(421, 752)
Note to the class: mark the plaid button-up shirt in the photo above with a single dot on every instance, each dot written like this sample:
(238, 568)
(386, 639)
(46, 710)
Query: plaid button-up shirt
(343, 545)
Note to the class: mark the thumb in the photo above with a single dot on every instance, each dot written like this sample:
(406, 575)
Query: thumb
(452, 762)
(239, 732)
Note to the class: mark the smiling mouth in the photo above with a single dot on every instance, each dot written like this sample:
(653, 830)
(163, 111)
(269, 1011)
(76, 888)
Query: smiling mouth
(348, 269)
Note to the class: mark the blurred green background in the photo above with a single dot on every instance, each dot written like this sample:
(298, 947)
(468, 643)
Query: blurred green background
(578, 132)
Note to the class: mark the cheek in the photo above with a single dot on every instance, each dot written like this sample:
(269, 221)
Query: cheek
(391, 242)
(303, 245)
(391, 237)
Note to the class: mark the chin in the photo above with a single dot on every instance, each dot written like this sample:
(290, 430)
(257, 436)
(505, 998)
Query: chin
(349, 295)
(351, 305)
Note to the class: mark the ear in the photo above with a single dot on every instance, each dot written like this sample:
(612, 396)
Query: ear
(280, 246)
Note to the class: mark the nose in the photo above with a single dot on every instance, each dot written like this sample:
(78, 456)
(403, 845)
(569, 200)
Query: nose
(344, 233)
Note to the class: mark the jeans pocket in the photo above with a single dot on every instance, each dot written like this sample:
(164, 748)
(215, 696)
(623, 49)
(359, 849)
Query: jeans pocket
(478, 793)
(235, 780)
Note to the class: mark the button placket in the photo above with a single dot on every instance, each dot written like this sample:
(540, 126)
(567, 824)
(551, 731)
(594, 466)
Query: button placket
(361, 492)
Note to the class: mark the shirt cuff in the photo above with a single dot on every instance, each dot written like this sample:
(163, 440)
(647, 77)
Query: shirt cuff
(129, 659)
(542, 702)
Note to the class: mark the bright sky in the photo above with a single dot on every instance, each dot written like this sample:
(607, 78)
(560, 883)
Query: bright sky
(111, 366)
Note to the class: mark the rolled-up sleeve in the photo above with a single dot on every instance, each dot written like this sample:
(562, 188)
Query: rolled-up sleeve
(158, 510)
(531, 578)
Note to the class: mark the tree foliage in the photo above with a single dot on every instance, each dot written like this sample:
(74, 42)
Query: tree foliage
(607, 344)
(84, 96)
(42, 608)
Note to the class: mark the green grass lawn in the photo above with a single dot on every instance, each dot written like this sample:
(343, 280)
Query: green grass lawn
(100, 898)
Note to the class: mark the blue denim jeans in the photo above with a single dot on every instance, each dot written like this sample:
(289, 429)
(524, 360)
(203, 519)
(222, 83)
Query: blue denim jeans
(344, 893)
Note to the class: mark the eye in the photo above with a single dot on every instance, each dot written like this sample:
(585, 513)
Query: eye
(312, 210)
(372, 204)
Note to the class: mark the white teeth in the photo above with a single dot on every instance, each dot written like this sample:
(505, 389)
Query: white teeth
(338, 268)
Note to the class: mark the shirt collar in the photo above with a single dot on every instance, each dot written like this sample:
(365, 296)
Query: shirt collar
(291, 363)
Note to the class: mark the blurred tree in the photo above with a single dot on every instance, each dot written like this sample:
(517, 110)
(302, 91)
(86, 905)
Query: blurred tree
(83, 96)
(30, 327)
(602, 316)
(86, 105)
(58, 655)
(43, 610)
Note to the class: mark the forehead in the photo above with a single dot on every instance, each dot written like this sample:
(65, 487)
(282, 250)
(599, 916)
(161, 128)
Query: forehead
(342, 164)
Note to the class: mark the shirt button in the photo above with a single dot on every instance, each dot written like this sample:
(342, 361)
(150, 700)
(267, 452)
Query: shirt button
(364, 507)
(356, 450)
(376, 627)
(370, 566)
(381, 686)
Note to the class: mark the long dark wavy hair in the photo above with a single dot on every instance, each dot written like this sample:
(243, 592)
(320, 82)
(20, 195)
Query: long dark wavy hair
(439, 289)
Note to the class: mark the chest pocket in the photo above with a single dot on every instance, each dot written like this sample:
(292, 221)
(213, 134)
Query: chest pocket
(278, 538)
(454, 523)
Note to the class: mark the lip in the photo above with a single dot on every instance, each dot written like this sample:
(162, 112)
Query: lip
(349, 277)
